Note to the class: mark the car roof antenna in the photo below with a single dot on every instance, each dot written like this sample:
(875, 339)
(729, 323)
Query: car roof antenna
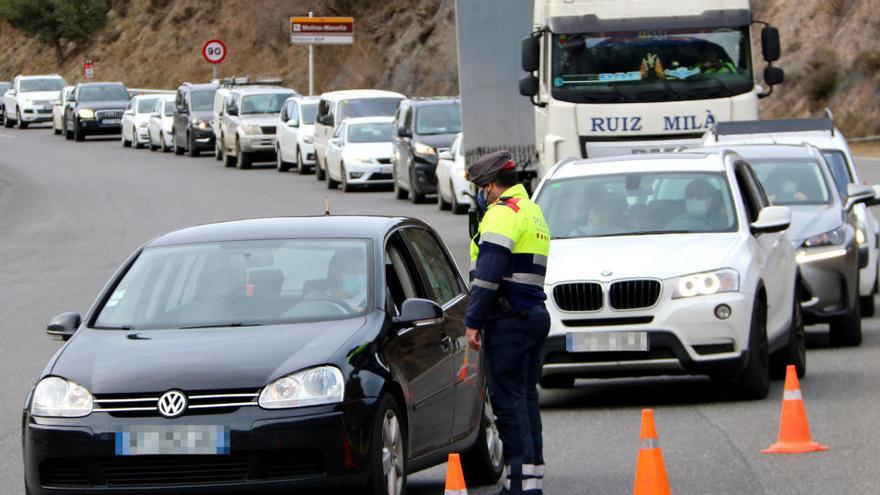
(326, 206)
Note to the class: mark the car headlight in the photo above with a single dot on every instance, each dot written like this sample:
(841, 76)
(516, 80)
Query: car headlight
(308, 139)
(201, 124)
(85, 113)
(321, 385)
(60, 398)
(252, 129)
(424, 149)
(25, 102)
(361, 159)
(861, 234)
(706, 284)
(831, 238)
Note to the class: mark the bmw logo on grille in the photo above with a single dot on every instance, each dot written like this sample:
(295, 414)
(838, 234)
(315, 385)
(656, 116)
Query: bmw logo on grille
(607, 273)
(172, 404)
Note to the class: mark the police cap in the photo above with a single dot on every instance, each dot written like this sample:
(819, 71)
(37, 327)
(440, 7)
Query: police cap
(490, 166)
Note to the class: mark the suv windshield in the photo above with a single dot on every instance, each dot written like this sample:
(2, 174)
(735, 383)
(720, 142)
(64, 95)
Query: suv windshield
(47, 84)
(241, 283)
(638, 204)
(267, 103)
(102, 93)
(203, 101)
(674, 64)
(309, 113)
(371, 133)
(145, 105)
(438, 119)
(792, 181)
(367, 107)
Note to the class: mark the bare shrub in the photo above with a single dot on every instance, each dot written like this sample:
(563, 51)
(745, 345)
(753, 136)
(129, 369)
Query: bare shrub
(821, 74)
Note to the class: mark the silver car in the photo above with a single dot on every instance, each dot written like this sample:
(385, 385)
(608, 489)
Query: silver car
(250, 118)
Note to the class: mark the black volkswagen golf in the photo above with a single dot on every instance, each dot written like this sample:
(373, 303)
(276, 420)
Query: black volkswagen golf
(265, 354)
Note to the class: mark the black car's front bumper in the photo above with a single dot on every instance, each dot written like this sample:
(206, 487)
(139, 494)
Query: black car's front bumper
(95, 127)
(315, 446)
(203, 139)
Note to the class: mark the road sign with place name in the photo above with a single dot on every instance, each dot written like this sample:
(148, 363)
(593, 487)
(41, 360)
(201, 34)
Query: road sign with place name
(214, 51)
(322, 30)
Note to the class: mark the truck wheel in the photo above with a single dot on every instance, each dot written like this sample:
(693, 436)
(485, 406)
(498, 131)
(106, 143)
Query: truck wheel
(846, 331)
(484, 463)
(795, 351)
(388, 450)
(754, 381)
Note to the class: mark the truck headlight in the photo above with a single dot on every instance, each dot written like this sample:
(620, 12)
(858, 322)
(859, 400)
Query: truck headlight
(424, 149)
(86, 114)
(321, 385)
(60, 398)
(252, 129)
(831, 238)
(706, 284)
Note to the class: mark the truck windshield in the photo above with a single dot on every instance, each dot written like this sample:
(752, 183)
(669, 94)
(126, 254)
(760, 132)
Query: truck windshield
(675, 64)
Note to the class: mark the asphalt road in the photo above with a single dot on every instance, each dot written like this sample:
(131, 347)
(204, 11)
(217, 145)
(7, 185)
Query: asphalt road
(71, 212)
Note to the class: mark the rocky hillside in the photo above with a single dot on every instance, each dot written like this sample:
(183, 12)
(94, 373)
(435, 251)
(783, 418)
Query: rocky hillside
(831, 49)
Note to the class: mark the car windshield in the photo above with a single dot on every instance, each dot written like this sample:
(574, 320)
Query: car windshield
(438, 119)
(145, 105)
(638, 204)
(367, 107)
(203, 101)
(169, 108)
(241, 283)
(113, 92)
(309, 113)
(792, 181)
(45, 84)
(266, 103)
(370, 133)
(837, 163)
(672, 64)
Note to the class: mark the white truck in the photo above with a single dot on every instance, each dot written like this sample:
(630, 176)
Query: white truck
(604, 77)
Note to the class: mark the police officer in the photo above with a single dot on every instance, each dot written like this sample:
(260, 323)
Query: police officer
(506, 314)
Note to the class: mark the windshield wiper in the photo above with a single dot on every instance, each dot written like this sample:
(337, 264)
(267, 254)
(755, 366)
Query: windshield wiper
(120, 327)
(223, 325)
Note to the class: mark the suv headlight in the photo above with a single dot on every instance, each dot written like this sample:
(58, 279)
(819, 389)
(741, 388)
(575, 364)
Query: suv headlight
(424, 149)
(60, 398)
(85, 113)
(201, 124)
(252, 129)
(831, 238)
(321, 385)
(706, 284)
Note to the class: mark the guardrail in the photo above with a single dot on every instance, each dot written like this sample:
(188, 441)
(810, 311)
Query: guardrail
(864, 139)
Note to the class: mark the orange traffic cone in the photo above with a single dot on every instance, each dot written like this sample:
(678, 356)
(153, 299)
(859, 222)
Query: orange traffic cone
(455, 477)
(794, 430)
(650, 472)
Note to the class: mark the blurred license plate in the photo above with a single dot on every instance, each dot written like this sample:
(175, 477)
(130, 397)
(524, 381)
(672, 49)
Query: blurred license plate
(111, 121)
(173, 440)
(606, 341)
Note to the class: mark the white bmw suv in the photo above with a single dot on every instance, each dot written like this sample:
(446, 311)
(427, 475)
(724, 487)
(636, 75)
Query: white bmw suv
(669, 264)
(30, 99)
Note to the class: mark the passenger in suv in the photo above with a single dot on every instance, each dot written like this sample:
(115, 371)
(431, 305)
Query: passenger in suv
(424, 128)
(249, 120)
(30, 98)
(95, 108)
(193, 119)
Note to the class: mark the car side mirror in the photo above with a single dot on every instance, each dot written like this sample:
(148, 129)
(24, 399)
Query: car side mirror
(292, 123)
(232, 111)
(445, 155)
(772, 219)
(403, 132)
(327, 120)
(531, 53)
(64, 325)
(858, 193)
(71, 99)
(416, 313)
(129, 112)
(335, 142)
(773, 75)
(770, 45)
(876, 200)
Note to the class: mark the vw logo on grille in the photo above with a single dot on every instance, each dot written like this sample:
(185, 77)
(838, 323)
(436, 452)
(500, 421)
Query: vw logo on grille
(172, 404)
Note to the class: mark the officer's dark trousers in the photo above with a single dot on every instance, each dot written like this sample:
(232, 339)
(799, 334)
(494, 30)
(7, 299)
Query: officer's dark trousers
(513, 352)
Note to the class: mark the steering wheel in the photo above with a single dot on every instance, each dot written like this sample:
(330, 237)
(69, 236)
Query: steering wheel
(336, 306)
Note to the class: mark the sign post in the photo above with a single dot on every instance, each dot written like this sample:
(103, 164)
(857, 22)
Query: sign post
(313, 30)
(89, 69)
(214, 52)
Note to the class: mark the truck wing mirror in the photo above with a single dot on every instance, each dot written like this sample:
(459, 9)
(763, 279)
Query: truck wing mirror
(770, 45)
(531, 53)
(528, 86)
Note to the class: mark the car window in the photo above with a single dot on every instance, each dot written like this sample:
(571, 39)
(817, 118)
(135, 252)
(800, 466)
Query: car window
(202, 100)
(837, 163)
(750, 201)
(144, 105)
(102, 93)
(157, 108)
(442, 283)
(638, 203)
(407, 118)
(169, 108)
(263, 282)
(309, 112)
(438, 119)
(43, 84)
(285, 111)
(792, 181)
(370, 133)
(367, 107)
(399, 284)
(398, 114)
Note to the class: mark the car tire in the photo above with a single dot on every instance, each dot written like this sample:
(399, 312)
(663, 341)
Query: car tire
(320, 172)
(557, 381)
(484, 463)
(415, 195)
(846, 331)
(228, 160)
(331, 184)
(388, 437)
(399, 192)
(7, 122)
(868, 308)
(442, 204)
(191, 146)
(753, 383)
(21, 123)
(153, 147)
(795, 351)
(125, 142)
(68, 134)
(178, 150)
(138, 145)
(243, 159)
(78, 133)
(55, 130)
(301, 168)
(280, 164)
(346, 187)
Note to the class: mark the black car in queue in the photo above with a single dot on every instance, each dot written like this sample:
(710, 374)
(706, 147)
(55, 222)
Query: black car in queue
(262, 354)
(95, 109)
(193, 130)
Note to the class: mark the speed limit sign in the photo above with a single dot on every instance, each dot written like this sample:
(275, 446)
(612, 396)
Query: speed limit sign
(214, 51)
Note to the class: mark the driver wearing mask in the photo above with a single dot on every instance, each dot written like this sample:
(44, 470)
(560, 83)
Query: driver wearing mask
(347, 274)
(700, 198)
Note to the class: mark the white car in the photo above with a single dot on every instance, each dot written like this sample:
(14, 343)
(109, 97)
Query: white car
(296, 134)
(30, 99)
(58, 110)
(453, 190)
(359, 153)
(249, 121)
(161, 123)
(821, 133)
(219, 105)
(336, 106)
(135, 120)
(668, 264)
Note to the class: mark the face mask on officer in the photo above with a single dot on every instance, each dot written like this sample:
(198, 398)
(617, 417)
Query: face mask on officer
(482, 203)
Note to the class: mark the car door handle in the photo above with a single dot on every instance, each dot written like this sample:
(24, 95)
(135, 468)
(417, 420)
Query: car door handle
(446, 343)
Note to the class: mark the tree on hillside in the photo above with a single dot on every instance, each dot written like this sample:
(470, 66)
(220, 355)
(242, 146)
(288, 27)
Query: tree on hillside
(54, 21)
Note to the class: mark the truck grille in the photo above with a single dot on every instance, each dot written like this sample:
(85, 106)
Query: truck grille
(634, 294)
(579, 296)
(108, 114)
(268, 129)
(203, 402)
